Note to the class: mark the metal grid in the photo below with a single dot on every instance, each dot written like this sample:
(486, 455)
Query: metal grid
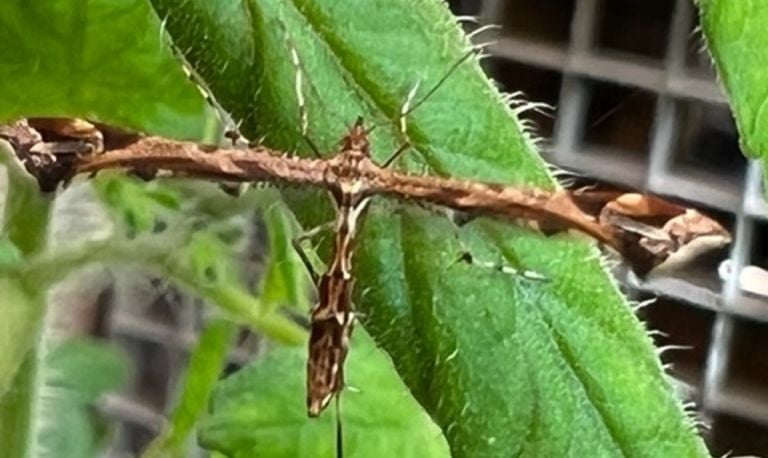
(637, 104)
(157, 326)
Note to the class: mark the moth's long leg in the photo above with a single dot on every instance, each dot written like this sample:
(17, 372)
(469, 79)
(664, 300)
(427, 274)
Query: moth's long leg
(513, 268)
(400, 150)
(312, 233)
(468, 257)
(409, 106)
(442, 80)
(307, 262)
(404, 109)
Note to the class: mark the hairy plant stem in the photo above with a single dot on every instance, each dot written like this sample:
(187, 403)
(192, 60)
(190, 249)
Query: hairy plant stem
(156, 253)
(206, 362)
(25, 223)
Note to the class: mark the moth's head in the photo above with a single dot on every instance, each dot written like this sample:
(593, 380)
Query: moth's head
(357, 139)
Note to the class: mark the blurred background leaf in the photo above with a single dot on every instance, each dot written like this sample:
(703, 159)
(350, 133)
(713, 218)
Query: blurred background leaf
(205, 367)
(103, 60)
(77, 374)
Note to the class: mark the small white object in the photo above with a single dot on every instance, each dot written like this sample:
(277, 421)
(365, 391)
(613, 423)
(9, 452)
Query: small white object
(752, 279)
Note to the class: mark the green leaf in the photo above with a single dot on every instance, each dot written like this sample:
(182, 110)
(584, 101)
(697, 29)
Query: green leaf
(10, 255)
(27, 210)
(26, 213)
(205, 366)
(737, 38)
(65, 61)
(204, 256)
(50, 409)
(86, 369)
(19, 327)
(137, 207)
(98, 59)
(260, 411)
(199, 262)
(505, 366)
(77, 374)
(285, 279)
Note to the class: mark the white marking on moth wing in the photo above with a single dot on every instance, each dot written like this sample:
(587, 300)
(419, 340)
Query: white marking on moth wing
(352, 188)
(322, 312)
(354, 215)
(360, 207)
(334, 370)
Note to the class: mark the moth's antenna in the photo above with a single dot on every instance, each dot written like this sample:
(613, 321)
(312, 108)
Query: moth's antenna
(398, 152)
(610, 112)
(300, 84)
(299, 89)
(442, 80)
(403, 126)
(231, 128)
(408, 107)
